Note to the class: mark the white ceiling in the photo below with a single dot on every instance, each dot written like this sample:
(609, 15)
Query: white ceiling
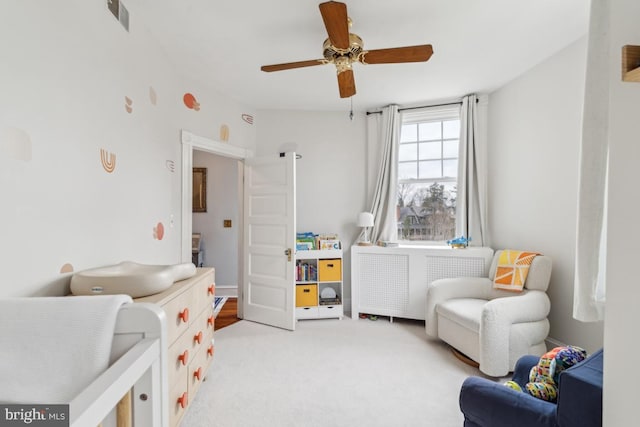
(478, 46)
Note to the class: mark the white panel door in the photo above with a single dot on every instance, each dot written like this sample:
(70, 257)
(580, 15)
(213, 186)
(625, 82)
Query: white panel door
(269, 240)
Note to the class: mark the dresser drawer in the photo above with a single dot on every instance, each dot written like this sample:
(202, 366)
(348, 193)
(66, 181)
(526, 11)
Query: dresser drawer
(178, 401)
(179, 311)
(203, 293)
(179, 355)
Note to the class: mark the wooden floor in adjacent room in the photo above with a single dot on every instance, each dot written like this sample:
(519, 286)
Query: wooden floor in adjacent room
(228, 314)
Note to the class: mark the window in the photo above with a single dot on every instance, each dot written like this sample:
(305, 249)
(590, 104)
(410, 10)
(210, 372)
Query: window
(427, 174)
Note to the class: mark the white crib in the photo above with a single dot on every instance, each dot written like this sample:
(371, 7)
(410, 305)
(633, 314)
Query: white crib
(104, 357)
(136, 376)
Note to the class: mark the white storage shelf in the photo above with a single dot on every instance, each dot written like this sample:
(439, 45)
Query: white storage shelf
(317, 271)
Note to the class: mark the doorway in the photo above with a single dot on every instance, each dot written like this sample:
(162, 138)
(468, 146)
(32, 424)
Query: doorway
(218, 225)
(191, 143)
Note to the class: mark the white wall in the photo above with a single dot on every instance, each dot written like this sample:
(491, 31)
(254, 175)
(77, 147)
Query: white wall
(220, 244)
(330, 175)
(622, 349)
(66, 70)
(533, 145)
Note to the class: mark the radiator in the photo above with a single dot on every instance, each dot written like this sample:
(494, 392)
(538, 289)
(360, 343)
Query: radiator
(393, 281)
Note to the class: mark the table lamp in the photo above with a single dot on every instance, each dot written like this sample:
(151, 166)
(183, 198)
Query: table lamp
(365, 220)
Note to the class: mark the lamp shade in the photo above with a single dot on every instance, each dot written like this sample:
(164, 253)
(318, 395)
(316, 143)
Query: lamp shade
(365, 219)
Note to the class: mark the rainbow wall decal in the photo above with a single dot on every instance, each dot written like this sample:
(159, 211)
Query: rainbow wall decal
(158, 231)
(128, 102)
(224, 133)
(67, 268)
(15, 144)
(248, 118)
(190, 102)
(171, 165)
(153, 97)
(108, 160)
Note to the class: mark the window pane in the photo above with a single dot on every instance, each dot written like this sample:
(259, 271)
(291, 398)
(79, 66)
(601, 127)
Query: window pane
(407, 170)
(409, 133)
(430, 150)
(430, 169)
(427, 211)
(451, 129)
(450, 149)
(408, 152)
(430, 130)
(450, 167)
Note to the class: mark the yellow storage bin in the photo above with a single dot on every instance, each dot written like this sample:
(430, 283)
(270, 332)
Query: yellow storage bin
(330, 270)
(306, 295)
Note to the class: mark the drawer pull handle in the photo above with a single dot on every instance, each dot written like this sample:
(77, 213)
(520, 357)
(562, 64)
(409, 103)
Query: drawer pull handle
(197, 373)
(210, 350)
(306, 291)
(184, 315)
(184, 357)
(210, 320)
(198, 337)
(330, 265)
(183, 400)
(211, 289)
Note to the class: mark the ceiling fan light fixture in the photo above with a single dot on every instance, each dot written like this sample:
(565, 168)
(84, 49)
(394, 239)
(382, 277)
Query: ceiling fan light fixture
(356, 47)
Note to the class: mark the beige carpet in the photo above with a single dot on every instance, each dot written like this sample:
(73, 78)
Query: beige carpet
(330, 373)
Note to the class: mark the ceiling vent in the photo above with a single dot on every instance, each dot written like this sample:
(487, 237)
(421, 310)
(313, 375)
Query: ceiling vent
(120, 12)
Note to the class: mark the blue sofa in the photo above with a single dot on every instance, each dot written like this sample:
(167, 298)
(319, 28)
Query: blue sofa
(485, 403)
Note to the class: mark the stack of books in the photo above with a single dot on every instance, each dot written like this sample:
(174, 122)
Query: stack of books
(306, 241)
(306, 272)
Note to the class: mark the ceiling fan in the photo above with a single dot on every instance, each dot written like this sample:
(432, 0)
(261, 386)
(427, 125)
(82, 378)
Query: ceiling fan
(343, 48)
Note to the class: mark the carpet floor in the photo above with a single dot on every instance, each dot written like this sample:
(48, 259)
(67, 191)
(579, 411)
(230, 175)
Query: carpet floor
(330, 373)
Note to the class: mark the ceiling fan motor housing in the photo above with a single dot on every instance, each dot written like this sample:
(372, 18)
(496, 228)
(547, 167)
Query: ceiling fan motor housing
(343, 58)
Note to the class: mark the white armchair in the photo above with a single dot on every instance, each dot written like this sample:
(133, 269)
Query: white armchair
(492, 327)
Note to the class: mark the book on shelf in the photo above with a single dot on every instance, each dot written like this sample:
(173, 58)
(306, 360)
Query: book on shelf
(329, 244)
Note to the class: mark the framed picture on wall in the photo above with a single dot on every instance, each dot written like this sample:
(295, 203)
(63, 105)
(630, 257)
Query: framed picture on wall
(199, 203)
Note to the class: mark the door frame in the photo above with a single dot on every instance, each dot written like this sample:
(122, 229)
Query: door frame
(191, 141)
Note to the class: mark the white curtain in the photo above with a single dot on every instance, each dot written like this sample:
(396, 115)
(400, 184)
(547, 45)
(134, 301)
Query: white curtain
(384, 201)
(589, 284)
(471, 198)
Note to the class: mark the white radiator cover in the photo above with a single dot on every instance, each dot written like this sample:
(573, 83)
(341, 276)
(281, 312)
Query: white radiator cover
(393, 281)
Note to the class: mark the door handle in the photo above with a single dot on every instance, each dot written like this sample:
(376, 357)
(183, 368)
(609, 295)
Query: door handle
(287, 252)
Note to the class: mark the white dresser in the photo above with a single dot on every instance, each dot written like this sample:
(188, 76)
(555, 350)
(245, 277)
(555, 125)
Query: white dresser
(190, 325)
(392, 281)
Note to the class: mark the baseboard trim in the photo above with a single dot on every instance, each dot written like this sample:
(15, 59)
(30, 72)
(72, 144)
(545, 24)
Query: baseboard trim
(552, 343)
(227, 291)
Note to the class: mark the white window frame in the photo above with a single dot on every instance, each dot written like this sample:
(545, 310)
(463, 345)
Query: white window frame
(422, 115)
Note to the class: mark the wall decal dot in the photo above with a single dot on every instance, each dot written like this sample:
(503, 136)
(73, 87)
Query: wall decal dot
(171, 165)
(16, 144)
(224, 133)
(108, 160)
(190, 101)
(128, 102)
(152, 95)
(158, 231)
(248, 118)
(67, 268)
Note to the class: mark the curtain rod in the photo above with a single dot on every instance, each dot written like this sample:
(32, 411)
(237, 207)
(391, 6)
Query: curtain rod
(422, 106)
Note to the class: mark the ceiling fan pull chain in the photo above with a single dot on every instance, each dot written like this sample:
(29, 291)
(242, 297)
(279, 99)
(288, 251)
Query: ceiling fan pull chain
(351, 112)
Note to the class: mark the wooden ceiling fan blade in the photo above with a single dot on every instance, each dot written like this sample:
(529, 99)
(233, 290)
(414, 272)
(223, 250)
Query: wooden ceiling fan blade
(336, 21)
(393, 55)
(290, 65)
(346, 84)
